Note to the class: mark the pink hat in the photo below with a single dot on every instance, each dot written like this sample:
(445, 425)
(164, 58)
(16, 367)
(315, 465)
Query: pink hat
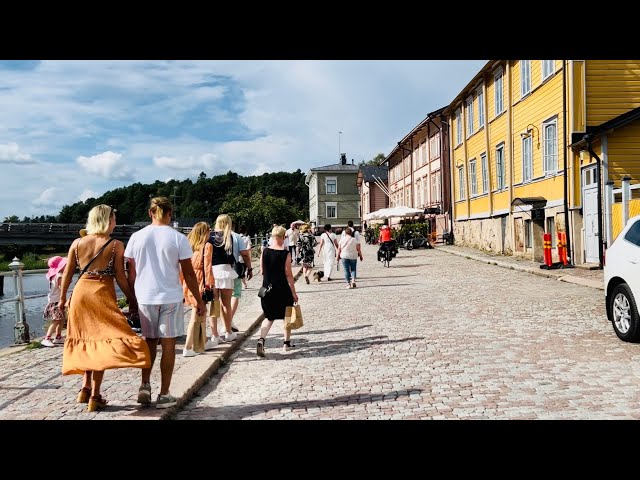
(56, 264)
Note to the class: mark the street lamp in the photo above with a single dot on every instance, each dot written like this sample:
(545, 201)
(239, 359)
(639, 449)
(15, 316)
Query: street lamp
(339, 150)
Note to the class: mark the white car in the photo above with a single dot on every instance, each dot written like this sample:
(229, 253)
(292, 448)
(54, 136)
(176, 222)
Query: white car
(622, 282)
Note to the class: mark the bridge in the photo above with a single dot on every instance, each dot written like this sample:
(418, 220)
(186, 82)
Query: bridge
(58, 234)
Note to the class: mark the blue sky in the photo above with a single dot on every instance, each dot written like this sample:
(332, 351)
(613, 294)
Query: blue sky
(70, 130)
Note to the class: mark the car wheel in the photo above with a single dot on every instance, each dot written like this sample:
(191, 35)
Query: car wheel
(624, 314)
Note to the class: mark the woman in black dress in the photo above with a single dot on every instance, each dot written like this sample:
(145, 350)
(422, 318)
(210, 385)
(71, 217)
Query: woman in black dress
(275, 264)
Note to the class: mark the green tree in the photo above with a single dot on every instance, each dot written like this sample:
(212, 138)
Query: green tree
(377, 160)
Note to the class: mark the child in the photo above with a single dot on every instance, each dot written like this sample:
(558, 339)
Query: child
(52, 312)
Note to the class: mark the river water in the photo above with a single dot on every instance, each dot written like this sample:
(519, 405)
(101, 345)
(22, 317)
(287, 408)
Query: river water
(35, 284)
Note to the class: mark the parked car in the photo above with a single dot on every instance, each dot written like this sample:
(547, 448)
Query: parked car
(622, 282)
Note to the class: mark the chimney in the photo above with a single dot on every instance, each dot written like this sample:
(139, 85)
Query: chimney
(343, 158)
(352, 161)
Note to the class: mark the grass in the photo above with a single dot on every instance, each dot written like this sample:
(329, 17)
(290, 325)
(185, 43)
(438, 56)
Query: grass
(32, 261)
(33, 345)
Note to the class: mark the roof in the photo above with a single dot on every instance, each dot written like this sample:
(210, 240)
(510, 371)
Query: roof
(336, 167)
(488, 66)
(368, 172)
(579, 140)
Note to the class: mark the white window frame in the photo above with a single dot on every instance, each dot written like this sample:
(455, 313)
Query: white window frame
(527, 163)
(327, 205)
(434, 146)
(434, 191)
(480, 97)
(326, 185)
(461, 195)
(500, 167)
(423, 150)
(525, 78)
(416, 194)
(473, 178)
(548, 68)
(469, 104)
(550, 147)
(498, 100)
(485, 173)
(425, 192)
(458, 127)
(438, 186)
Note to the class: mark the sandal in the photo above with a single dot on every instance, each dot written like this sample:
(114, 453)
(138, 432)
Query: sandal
(96, 403)
(260, 347)
(287, 345)
(83, 395)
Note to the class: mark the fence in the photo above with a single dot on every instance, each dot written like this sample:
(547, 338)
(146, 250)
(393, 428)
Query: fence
(617, 213)
(21, 328)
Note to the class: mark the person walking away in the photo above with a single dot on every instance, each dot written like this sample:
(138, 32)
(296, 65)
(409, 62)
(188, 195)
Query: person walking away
(242, 256)
(247, 240)
(306, 252)
(52, 312)
(329, 244)
(293, 234)
(98, 334)
(385, 239)
(222, 240)
(355, 234)
(349, 251)
(155, 256)
(275, 265)
(201, 260)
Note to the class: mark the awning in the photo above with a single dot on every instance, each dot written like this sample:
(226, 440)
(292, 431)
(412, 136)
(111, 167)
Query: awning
(535, 202)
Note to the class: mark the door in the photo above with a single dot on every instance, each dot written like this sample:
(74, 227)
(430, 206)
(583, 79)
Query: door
(503, 229)
(590, 214)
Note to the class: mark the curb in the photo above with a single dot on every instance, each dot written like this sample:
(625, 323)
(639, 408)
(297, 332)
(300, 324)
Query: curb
(585, 282)
(169, 413)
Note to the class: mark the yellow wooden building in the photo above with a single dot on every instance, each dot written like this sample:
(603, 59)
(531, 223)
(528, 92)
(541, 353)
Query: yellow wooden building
(532, 144)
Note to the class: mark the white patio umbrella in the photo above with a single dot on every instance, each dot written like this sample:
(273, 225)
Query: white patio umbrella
(400, 211)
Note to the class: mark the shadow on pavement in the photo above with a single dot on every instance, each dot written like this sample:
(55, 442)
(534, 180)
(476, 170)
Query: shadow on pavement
(318, 332)
(237, 412)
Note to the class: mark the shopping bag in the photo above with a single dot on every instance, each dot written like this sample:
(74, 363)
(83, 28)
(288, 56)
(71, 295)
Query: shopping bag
(214, 309)
(197, 330)
(293, 317)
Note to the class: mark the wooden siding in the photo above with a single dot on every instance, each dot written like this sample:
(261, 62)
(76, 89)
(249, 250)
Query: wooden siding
(613, 88)
(501, 201)
(623, 153)
(378, 199)
(479, 205)
(497, 135)
(578, 122)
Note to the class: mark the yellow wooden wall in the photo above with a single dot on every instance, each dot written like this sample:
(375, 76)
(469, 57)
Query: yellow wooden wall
(623, 151)
(613, 88)
(616, 215)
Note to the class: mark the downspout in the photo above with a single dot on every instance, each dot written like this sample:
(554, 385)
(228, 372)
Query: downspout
(510, 152)
(567, 228)
(593, 154)
(446, 174)
(413, 194)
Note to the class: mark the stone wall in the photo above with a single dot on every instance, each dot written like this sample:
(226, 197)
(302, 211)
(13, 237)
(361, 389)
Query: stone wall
(485, 234)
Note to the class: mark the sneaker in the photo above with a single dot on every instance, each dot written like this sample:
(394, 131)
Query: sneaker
(260, 348)
(47, 343)
(59, 340)
(353, 284)
(166, 401)
(189, 353)
(213, 343)
(234, 328)
(230, 337)
(144, 394)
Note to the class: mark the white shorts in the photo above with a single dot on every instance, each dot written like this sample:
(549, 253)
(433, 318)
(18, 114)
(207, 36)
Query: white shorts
(162, 321)
(224, 275)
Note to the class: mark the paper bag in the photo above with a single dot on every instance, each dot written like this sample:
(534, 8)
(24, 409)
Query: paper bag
(214, 309)
(197, 331)
(293, 317)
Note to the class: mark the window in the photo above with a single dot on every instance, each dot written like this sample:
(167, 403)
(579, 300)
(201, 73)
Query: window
(434, 191)
(500, 166)
(527, 163)
(407, 195)
(332, 210)
(469, 116)
(417, 158)
(416, 195)
(528, 233)
(548, 68)
(480, 108)
(331, 185)
(550, 146)
(461, 183)
(458, 127)
(434, 146)
(473, 188)
(438, 197)
(425, 192)
(633, 234)
(551, 228)
(497, 81)
(485, 173)
(525, 77)
(423, 147)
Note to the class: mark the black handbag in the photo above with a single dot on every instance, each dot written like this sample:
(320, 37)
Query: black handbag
(263, 291)
(207, 295)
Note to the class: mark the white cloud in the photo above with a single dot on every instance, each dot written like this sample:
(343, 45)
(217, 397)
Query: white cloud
(49, 198)
(202, 162)
(10, 153)
(87, 193)
(107, 164)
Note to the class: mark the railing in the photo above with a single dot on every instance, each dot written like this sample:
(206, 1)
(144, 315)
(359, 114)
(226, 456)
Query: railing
(617, 214)
(21, 328)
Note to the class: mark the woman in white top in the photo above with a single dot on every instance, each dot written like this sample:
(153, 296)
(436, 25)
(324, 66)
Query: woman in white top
(223, 271)
(349, 251)
(329, 244)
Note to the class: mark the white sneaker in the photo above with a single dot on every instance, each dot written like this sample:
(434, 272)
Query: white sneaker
(230, 337)
(47, 343)
(189, 353)
(213, 343)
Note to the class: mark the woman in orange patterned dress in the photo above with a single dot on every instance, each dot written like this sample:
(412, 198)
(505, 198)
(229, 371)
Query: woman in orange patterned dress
(98, 335)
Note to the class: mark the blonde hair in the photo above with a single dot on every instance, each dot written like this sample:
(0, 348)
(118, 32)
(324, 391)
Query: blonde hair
(278, 231)
(160, 206)
(304, 228)
(98, 219)
(348, 231)
(198, 235)
(223, 224)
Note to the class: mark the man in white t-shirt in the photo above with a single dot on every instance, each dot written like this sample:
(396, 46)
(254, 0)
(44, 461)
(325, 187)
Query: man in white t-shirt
(155, 256)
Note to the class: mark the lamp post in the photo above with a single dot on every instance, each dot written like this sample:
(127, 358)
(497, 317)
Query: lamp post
(339, 150)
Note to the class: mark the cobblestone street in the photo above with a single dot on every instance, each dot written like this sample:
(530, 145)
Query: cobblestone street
(436, 336)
